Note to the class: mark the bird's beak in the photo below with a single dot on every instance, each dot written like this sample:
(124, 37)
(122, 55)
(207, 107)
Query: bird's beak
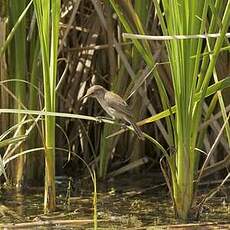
(82, 98)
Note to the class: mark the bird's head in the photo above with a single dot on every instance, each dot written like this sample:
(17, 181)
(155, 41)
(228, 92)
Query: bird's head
(95, 91)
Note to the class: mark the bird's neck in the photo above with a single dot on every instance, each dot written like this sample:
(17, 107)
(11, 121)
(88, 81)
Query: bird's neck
(101, 100)
(104, 105)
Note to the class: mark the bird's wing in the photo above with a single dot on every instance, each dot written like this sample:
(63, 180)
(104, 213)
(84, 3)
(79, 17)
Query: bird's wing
(117, 103)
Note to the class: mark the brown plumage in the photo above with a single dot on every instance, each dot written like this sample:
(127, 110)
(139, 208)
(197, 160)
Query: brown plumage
(114, 105)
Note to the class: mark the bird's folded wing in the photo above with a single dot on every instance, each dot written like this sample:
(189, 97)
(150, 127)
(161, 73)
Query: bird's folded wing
(117, 103)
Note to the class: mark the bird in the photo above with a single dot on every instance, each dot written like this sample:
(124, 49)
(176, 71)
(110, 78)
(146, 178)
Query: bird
(114, 106)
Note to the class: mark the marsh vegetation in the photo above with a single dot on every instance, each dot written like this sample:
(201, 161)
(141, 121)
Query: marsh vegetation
(168, 60)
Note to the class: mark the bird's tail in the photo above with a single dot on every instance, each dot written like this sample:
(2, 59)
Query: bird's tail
(137, 130)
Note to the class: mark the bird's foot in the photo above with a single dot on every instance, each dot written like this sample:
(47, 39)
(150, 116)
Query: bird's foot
(99, 119)
(124, 126)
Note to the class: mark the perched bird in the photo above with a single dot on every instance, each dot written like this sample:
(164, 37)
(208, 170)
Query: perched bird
(114, 105)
